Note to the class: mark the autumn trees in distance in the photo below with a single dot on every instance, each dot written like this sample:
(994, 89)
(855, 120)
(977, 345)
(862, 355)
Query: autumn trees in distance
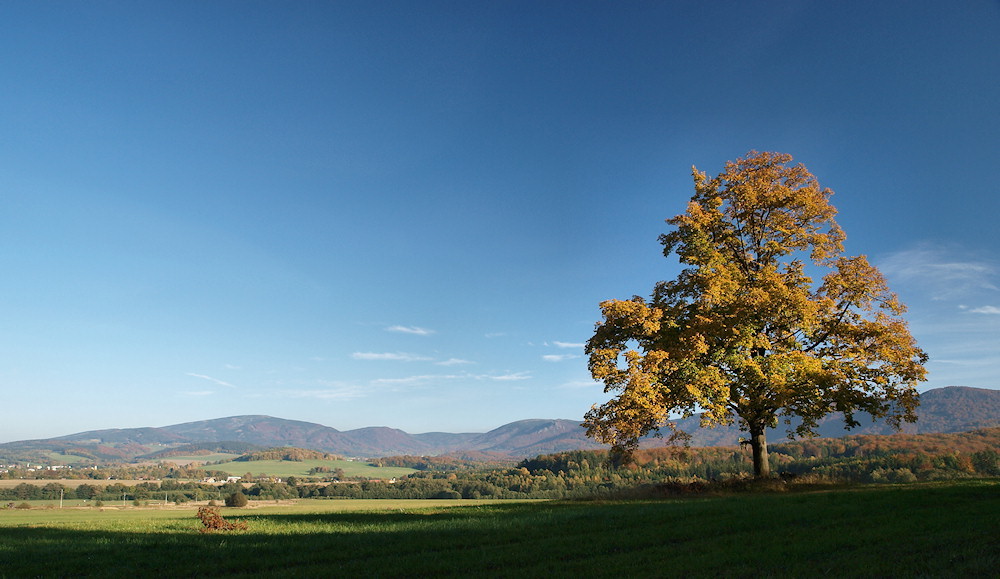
(745, 332)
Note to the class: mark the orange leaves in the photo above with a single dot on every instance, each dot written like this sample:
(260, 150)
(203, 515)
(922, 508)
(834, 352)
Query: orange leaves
(856, 282)
(759, 210)
(633, 315)
(213, 521)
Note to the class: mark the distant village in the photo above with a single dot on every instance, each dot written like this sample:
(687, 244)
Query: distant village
(6, 468)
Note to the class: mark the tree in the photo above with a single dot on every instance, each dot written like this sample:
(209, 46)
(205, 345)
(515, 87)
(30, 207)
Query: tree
(744, 333)
(237, 499)
(86, 491)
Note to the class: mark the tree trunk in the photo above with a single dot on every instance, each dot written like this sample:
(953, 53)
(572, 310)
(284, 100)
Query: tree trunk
(758, 443)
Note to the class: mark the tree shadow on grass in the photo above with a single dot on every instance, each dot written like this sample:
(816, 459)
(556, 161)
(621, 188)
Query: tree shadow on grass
(385, 543)
(948, 531)
(458, 512)
(482, 540)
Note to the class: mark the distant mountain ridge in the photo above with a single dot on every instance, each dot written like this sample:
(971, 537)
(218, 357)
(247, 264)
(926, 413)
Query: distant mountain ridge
(942, 410)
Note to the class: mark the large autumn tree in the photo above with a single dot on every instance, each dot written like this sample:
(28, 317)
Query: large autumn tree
(768, 321)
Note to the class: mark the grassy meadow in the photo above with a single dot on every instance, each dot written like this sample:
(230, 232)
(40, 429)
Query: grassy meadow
(301, 468)
(947, 529)
(184, 459)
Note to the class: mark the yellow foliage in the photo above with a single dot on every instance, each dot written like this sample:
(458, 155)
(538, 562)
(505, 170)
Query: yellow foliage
(743, 332)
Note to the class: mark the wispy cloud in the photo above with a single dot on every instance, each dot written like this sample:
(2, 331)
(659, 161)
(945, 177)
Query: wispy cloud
(210, 379)
(345, 392)
(511, 376)
(580, 384)
(568, 345)
(454, 362)
(558, 357)
(425, 378)
(415, 330)
(390, 356)
(989, 310)
(419, 379)
(941, 274)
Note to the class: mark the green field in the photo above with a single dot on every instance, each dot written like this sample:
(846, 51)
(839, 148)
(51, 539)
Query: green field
(199, 458)
(930, 529)
(300, 468)
(61, 458)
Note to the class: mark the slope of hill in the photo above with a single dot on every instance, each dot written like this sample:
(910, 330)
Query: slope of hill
(952, 409)
(257, 429)
(957, 409)
(942, 410)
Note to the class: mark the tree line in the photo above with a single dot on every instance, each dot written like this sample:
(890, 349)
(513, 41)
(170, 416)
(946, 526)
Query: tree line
(581, 474)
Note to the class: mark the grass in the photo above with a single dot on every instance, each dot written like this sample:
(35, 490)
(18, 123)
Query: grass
(65, 458)
(200, 458)
(941, 530)
(300, 468)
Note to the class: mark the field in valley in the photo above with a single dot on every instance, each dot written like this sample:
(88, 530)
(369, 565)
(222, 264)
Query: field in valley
(200, 459)
(300, 468)
(927, 529)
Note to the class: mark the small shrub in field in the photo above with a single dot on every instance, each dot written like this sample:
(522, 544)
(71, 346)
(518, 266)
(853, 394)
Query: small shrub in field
(23, 506)
(213, 521)
(237, 499)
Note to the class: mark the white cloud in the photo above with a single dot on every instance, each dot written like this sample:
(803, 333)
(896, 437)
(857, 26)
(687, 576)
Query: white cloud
(419, 379)
(424, 378)
(454, 362)
(941, 274)
(511, 376)
(410, 330)
(558, 357)
(578, 384)
(986, 310)
(393, 356)
(210, 379)
(568, 345)
(345, 392)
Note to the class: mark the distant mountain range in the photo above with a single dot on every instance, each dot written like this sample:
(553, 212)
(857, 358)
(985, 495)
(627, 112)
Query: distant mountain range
(942, 410)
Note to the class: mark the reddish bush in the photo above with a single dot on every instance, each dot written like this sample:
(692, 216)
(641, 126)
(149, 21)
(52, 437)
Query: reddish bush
(213, 521)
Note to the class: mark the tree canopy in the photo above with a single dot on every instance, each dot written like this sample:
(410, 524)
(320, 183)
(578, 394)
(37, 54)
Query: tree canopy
(745, 332)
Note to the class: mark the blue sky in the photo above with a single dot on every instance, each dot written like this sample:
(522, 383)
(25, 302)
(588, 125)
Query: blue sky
(406, 213)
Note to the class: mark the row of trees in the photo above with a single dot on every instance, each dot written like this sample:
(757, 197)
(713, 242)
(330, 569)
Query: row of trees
(114, 472)
(876, 459)
(589, 473)
(290, 454)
